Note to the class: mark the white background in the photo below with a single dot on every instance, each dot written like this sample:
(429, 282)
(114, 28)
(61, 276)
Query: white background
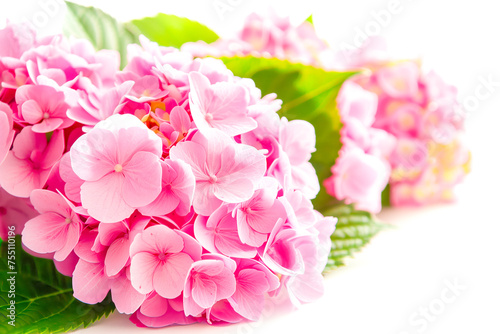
(404, 270)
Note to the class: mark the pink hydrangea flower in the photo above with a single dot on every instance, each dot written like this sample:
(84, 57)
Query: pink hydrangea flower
(253, 281)
(257, 217)
(28, 165)
(221, 106)
(177, 193)
(358, 178)
(209, 280)
(43, 107)
(122, 175)
(58, 227)
(14, 211)
(161, 255)
(224, 170)
(219, 233)
(136, 173)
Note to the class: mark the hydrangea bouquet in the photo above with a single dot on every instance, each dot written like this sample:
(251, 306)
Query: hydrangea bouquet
(180, 188)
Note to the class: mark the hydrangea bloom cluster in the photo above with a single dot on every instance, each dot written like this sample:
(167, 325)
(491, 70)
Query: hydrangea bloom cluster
(422, 113)
(401, 125)
(172, 185)
(269, 36)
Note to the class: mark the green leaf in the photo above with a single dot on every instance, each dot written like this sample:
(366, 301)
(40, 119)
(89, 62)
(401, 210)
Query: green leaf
(310, 19)
(354, 230)
(171, 30)
(44, 298)
(386, 196)
(308, 93)
(102, 30)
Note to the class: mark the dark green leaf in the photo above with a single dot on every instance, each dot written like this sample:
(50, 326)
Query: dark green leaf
(354, 230)
(171, 30)
(102, 30)
(44, 298)
(308, 93)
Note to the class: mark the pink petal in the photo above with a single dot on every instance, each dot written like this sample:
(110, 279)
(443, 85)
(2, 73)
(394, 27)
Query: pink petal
(45, 233)
(48, 125)
(142, 269)
(72, 237)
(31, 111)
(154, 306)
(90, 284)
(94, 155)
(204, 292)
(103, 199)
(144, 166)
(126, 299)
(19, 178)
(48, 201)
(117, 256)
(174, 271)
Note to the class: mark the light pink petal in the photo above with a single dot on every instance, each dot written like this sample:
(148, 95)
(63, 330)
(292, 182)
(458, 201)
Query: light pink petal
(193, 154)
(307, 287)
(117, 256)
(48, 201)
(103, 199)
(54, 151)
(247, 235)
(142, 269)
(6, 132)
(126, 299)
(157, 239)
(48, 125)
(165, 203)
(234, 191)
(31, 111)
(46, 233)
(205, 202)
(204, 292)
(154, 306)
(137, 139)
(222, 106)
(94, 155)
(90, 284)
(174, 271)
(72, 237)
(142, 179)
(18, 177)
(248, 300)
